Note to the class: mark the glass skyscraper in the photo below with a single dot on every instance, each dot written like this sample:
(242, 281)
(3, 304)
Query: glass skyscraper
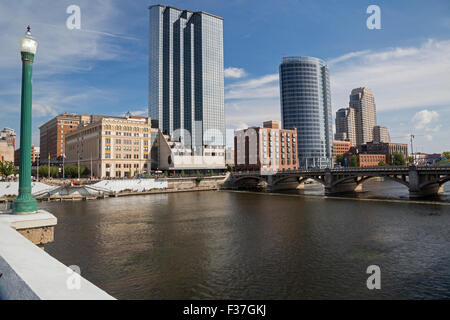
(306, 105)
(186, 75)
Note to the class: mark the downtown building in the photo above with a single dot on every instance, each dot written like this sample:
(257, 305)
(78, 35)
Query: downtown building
(112, 147)
(358, 122)
(345, 125)
(266, 149)
(53, 134)
(7, 144)
(381, 134)
(186, 79)
(363, 102)
(306, 106)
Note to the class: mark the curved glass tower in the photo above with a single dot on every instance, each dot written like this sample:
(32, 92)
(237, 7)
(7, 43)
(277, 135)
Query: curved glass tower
(306, 105)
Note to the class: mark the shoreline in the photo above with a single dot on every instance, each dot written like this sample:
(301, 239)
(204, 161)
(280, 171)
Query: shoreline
(104, 196)
(197, 189)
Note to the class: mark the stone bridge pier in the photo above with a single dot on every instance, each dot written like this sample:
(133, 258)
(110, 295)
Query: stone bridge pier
(424, 185)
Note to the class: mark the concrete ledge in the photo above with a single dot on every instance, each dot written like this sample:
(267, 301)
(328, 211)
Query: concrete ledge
(30, 273)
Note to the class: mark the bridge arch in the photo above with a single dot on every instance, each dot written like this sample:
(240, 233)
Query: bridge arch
(441, 181)
(366, 178)
(259, 178)
(300, 179)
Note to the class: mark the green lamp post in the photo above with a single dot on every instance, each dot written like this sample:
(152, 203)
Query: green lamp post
(25, 203)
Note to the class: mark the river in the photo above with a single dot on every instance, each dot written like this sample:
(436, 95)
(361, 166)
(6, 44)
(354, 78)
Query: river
(244, 245)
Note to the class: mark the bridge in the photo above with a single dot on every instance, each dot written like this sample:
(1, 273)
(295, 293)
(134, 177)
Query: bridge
(421, 181)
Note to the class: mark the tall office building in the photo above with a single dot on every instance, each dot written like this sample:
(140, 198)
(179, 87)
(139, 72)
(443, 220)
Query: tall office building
(306, 105)
(186, 76)
(362, 101)
(345, 125)
(381, 134)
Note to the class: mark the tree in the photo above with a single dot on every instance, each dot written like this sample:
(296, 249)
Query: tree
(411, 160)
(354, 161)
(43, 171)
(182, 173)
(382, 163)
(340, 159)
(446, 155)
(7, 168)
(399, 159)
(71, 171)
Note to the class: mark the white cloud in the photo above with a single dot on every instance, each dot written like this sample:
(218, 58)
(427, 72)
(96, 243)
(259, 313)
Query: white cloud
(400, 78)
(234, 73)
(259, 88)
(250, 102)
(40, 110)
(425, 120)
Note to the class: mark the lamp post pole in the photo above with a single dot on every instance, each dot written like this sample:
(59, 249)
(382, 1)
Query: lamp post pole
(25, 203)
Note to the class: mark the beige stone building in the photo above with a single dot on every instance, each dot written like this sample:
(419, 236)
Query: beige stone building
(345, 125)
(6, 151)
(112, 146)
(381, 134)
(363, 102)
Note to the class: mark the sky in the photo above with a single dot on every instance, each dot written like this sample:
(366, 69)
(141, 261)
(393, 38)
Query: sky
(102, 68)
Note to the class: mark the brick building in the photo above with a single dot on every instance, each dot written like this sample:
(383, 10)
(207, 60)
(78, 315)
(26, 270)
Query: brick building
(53, 133)
(340, 148)
(266, 148)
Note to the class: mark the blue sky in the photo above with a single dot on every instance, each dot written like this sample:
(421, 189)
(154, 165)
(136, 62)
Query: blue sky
(103, 67)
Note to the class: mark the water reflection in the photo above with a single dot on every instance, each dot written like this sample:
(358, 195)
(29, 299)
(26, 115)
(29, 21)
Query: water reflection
(237, 245)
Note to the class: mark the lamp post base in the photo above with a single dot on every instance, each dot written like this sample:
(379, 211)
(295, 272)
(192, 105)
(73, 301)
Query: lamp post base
(24, 204)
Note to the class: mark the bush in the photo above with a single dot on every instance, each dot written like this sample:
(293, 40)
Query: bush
(399, 159)
(7, 168)
(354, 161)
(43, 171)
(71, 171)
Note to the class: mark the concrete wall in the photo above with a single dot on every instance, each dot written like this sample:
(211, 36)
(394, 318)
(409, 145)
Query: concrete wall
(29, 273)
(12, 188)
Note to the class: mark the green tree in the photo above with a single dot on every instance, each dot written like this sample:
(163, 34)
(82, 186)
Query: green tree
(355, 161)
(43, 171)
(340, 159)
(446, 155)
(411, 160)
(399, 159)
(7, 168)
(382, 163)
(71, 171)
(182, 173)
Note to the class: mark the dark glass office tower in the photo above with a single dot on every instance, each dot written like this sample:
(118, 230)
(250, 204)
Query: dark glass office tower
(306, 105)
(186, 76)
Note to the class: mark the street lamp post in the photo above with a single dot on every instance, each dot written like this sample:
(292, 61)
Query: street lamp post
(25, 203)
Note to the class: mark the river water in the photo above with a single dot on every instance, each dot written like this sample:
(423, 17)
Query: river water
(243, 245)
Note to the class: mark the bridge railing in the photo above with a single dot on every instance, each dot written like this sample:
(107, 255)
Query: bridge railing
(444, 168)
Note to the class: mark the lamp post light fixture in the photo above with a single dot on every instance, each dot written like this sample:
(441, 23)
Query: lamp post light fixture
(25, 203)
